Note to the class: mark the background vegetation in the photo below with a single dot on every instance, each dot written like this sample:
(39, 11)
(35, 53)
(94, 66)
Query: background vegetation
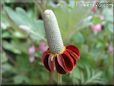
(90, 28)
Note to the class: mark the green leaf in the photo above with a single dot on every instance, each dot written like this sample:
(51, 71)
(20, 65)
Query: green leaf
(108, 14)
(88, 72)
(19, 34)
(15, 46)
(6, 34)
(110, 27)
(82, 77)
(96, 20)
(78, 38)
(3, 57)
(8, 1)
(68, 18)
(6, 67)
(75, 74)
(23, 62)
(20, 79)
(86, 75)
(4, 21)
(10, 47)
(35, 28)
(93, 76)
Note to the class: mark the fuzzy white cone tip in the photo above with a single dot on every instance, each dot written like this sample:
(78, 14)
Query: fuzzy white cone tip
(52, 32)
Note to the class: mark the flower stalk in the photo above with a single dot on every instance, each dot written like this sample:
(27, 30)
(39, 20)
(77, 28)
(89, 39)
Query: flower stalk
(58, 57)
(59, 78)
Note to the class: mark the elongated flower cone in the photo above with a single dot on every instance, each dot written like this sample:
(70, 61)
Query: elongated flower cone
(59, 57)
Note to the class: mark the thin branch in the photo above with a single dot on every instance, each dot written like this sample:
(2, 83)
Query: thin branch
(41, 5)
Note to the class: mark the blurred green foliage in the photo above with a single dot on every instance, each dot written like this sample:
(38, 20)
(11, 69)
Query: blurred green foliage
(22, 26)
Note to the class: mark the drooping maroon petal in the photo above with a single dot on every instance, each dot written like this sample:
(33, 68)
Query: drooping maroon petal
(73, 56)
(61, 62)
(45, 62)
(74, 49)
(51, 63)
(68, 60)
(59, 69)
(44, 55)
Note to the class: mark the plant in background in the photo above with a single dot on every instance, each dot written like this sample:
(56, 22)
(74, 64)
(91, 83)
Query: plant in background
(62, 57)
(94, 8)
(31, 52)
(24, 42)
(43, 46)
(111, 48)
(96, 28)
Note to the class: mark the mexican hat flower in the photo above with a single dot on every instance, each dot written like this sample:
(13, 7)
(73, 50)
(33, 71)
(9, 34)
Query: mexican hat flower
(59, 57)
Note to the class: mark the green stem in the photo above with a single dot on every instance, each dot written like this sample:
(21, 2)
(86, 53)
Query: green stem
(59, 78)
(51, 78)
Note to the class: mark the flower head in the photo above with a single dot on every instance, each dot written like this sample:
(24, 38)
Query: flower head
(94, 8)
(43, 47)
(64, 61)
(59, 57)
(96, 28)
(31, 52)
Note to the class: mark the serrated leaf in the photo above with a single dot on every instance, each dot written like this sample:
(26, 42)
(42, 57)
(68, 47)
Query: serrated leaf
(20, 17)
(94, 78)
(82, 77)
(88, 72)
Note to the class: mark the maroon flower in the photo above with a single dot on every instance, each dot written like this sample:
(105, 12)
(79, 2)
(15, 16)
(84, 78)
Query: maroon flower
(64, 62)
(59, 57)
